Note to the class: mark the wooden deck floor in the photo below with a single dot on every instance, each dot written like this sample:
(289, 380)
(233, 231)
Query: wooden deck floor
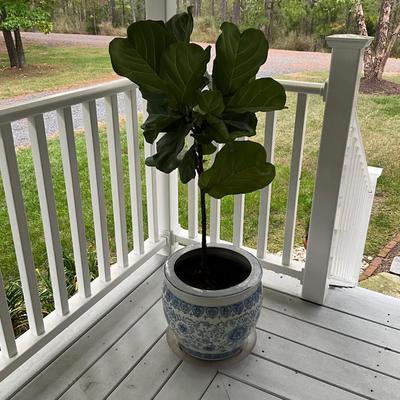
(349, 349)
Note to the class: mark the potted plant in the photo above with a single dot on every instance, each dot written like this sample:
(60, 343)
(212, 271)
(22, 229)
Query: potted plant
(212, 294)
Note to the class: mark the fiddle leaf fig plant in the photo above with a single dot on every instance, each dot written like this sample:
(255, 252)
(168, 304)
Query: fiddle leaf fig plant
(184, 100)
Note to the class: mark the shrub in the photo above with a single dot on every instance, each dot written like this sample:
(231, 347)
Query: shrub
(294, 41)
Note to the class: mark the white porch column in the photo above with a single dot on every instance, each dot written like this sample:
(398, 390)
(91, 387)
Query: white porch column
(167, 185)
(160, 9)
(344, 79)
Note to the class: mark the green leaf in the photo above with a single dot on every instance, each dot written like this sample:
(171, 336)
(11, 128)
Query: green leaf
(180, 26)
(240, 125)
(216, 129)
(161, 119)
(211, 102)
(238, 57)
(240, 167)
(187, 166)
(208, 149)
(127, 62)
(168, 149)
(150, 136)
(183, 66)
(138, 56)
(263, 94)
(150, 39)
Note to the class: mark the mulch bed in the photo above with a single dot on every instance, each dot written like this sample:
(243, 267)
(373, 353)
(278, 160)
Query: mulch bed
(381, 87)
(383, 261)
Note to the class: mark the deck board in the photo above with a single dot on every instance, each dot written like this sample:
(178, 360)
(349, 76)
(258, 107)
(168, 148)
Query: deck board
(99, 381)
(226, 388)
(303, 352)
(83, 353)
(366, 304)
(335, 320)
(330, 342)
(149, 375)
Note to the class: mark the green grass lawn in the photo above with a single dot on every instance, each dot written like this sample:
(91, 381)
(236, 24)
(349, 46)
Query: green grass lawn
(379, 118)
(53, 68)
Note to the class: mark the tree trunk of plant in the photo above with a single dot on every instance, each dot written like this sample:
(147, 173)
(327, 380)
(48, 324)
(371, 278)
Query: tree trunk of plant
(212, 5)
(200, 170)
(236, 12)
(19, 48)
(11, 50)
(223, 10)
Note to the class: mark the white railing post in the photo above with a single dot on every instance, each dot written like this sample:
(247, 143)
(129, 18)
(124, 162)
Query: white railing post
(344, 79)
(167, 184)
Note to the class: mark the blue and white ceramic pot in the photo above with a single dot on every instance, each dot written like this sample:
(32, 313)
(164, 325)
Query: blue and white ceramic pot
(212, 324)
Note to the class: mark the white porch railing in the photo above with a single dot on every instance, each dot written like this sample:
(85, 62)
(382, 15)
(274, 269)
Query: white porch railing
(324, 253)
(356, 196)
(42, 330)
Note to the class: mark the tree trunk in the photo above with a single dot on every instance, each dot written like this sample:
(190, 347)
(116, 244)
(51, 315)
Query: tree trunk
(11, 50)
(223, 10)
(268, 11)
(382, 36)
(123, 13)
(362, 29)
(212, 8)
(133, 11)
(111, 10)
(395, 35)
(197, 8)
(19, 48)
(236, 12)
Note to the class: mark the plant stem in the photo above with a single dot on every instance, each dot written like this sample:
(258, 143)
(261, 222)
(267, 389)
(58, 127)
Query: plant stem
(200, 170)
(203, 230)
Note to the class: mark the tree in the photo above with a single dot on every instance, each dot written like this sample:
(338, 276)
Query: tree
(236, 12)
(386, 33)
(22, 14)
(268, 10)
(197, 8)
(223, 10)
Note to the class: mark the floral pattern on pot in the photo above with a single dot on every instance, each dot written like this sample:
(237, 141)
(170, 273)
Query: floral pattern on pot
(212, 332)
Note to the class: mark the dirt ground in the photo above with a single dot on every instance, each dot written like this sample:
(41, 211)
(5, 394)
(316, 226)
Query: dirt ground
(381, 87)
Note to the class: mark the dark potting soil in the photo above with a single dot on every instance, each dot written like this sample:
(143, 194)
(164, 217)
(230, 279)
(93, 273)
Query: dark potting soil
(224, 269)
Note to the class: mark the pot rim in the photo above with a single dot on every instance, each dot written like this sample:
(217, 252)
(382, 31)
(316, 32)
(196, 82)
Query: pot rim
(251, 281)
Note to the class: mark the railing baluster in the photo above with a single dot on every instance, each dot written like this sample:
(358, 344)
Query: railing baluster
(295, 173)
(193, 204)
(151, 196)
(44, 181)
(7, 339)
(73, 192)
(97, 188)
(19, 228)
(215, 213)
(117, 180)
(265, 196)
(134, 171)
(238, 217)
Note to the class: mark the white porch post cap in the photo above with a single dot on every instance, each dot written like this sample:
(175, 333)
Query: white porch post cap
(348, 41)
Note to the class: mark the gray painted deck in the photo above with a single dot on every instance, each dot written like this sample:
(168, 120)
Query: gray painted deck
(346, 350)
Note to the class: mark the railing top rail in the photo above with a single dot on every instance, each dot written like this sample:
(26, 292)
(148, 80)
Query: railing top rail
(303, 87)
(49, 103)
(53, 102)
